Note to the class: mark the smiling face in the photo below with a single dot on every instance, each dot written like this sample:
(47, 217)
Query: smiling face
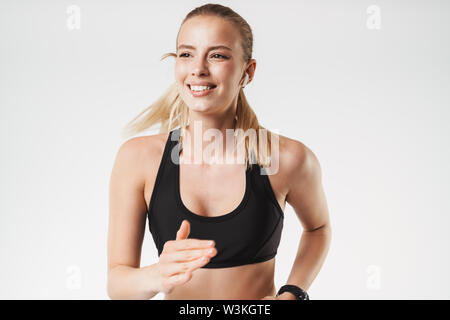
(198, 62)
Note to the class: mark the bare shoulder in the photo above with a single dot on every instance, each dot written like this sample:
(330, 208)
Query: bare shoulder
(139, 155)
(144, 147)
(153, 146)
(296, 159)
(294, 152)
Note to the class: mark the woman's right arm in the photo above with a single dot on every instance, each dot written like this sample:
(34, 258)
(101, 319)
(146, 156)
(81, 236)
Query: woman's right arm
(179, 258)
(126, 282)
(127, 217)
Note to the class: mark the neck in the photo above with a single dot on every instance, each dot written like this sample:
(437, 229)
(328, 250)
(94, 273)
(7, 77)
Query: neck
(206, 136)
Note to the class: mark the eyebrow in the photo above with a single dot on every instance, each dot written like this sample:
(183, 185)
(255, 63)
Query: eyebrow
(185, 46)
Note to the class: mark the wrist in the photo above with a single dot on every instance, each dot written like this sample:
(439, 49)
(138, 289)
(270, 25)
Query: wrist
(151, 283)
(296, 291)
(286, 296)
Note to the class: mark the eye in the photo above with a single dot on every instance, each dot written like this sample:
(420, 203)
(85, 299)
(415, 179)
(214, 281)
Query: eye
(183, 55)
(221, 56)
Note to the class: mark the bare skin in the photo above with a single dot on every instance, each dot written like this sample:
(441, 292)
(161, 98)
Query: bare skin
(209, 190)
(253, 281)
(132, 182)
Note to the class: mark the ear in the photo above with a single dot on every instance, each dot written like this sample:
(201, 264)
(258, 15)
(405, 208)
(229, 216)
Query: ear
(245, 80)
(249, 72)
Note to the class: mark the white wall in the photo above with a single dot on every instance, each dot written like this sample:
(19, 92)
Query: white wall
(371, 103)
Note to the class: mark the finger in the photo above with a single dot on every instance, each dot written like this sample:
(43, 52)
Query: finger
(179, 278)
(184, 230)
(174, 268)
(189, 254)
(187, 244)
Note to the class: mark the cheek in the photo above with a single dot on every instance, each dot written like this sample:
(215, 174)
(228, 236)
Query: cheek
(180, 72)
(180, 78)
(226, 75)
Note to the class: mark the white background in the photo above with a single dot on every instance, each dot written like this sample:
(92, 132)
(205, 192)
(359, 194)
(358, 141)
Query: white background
(373, 104)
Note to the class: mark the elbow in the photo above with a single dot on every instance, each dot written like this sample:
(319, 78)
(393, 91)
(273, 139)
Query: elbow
(111, 288)
(324, 228)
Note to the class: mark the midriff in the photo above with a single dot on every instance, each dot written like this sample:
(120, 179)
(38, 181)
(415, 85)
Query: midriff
(246, 282)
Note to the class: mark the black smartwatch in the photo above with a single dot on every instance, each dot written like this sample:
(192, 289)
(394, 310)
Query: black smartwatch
(299, 293)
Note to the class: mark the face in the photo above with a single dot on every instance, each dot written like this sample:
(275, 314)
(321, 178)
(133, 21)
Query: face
(199, 63)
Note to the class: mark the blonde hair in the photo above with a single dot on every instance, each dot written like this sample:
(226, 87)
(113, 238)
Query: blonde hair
(172, 112)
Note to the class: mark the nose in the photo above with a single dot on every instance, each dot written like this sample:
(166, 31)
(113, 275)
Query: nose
(199, 68)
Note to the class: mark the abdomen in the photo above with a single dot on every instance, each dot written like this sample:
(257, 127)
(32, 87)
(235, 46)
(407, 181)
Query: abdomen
(247, 282)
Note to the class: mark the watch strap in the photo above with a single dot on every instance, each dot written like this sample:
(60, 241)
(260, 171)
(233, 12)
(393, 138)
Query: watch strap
(298, 292)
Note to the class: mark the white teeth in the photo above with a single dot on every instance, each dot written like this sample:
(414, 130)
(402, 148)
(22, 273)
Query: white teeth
(200, 88)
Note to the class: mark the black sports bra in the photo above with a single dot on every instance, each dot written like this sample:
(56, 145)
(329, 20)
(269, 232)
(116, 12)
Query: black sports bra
(249, 234)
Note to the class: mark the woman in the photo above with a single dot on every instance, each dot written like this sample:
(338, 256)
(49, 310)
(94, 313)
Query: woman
(190, 204)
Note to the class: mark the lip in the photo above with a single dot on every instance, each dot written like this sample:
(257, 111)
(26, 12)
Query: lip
(200, 93)
(201, 83)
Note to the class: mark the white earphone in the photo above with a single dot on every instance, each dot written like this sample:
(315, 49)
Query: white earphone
(245, 80)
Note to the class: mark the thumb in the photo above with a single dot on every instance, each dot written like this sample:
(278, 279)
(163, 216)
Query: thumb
(184, 230)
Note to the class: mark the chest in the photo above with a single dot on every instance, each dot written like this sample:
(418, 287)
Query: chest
(213, 192)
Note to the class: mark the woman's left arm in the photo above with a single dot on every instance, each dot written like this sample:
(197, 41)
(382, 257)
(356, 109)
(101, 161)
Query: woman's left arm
(307, 197)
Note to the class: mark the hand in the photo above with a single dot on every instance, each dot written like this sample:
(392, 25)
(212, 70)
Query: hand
(180, 257)
(283, 296)
(269, 298)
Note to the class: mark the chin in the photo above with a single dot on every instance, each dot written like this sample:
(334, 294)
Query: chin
(200, 107)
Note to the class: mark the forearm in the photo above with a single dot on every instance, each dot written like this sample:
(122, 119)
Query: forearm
(311, 254)
(128, 283)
